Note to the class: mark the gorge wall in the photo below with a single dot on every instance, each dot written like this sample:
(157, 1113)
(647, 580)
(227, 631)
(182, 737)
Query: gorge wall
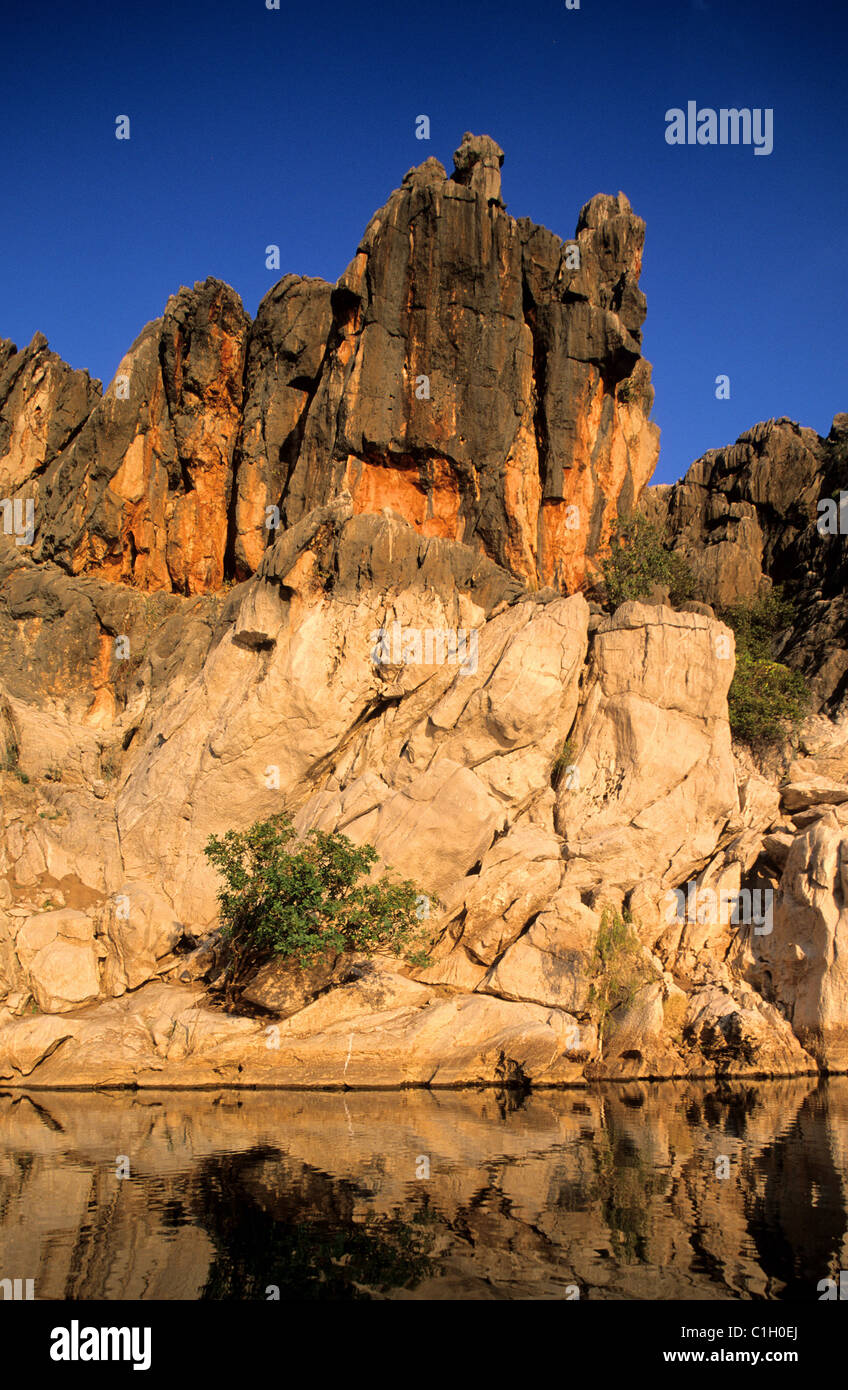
(766, 512)
(444, 438)
(475, 373)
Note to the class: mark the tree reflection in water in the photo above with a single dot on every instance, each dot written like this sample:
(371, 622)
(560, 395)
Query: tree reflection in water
(303, 1238)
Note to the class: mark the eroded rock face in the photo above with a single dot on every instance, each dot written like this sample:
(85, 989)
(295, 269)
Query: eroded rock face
(557, 765)
(43, 405)
(475, 373)
(766, 511)
(484, 378)
(410, 474)
(138, 488)
(286, 350)
(802, 963)
(652, 781)
(394, 755)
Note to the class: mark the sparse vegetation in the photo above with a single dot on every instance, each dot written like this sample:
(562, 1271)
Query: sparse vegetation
(618, 967)
(11, 765)
(640, 559)
(299, 897)
(563, 759)
(110, 764)
(159, 606)
(767, 700)
(10, 757)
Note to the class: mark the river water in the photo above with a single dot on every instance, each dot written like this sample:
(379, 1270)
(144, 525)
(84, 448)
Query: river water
(639, 1191)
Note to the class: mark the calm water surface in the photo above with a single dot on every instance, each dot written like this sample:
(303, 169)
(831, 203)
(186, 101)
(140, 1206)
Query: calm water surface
(616, 1191)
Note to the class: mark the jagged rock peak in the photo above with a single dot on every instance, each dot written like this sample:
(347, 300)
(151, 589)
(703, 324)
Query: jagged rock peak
(475, 373)
(477, 164)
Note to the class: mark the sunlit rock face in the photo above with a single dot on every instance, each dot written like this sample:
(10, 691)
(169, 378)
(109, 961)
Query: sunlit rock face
(452, 769)
(134, 485)
(482, 377)
(772, 509)
(332, 563)
(475, 373)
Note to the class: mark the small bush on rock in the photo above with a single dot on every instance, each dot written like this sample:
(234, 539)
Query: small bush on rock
(640, 559)
(767, 700)
(618, 967)
(302, 897)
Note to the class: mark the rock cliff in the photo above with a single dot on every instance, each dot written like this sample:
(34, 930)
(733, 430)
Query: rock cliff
(766, 511)
(441, 442)
(475, 373)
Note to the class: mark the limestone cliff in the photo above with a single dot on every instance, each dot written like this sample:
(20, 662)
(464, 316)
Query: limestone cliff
(475, 373)
(172, 667)
(766, 511)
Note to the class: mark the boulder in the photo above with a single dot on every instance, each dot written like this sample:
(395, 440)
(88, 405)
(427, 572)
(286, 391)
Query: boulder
(800, 796)
(60, 959)
(283, 986)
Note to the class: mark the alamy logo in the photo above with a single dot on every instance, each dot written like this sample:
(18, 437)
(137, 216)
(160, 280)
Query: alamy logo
(14, 1288)
(727, 126)
(13, 519)
(832, 516)
(429, 646)
(830, 1289)
(77, 1343)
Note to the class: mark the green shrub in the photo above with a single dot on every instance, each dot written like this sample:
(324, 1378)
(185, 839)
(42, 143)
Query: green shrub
(758, 623)
(301, 897)
(619, 968)
(639, 559)
(767, 699)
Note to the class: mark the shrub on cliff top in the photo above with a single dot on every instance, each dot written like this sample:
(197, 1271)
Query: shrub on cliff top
(301, 897)
(639, 559)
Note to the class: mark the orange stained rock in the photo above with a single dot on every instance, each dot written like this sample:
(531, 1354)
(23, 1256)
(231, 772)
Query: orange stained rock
(101, 712)
(522, 500)
(428, 497)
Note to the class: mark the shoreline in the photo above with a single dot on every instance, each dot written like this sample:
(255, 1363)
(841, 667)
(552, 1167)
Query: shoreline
(471, 1086)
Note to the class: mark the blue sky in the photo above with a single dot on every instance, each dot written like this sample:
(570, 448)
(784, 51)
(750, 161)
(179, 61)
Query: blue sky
(251, 126)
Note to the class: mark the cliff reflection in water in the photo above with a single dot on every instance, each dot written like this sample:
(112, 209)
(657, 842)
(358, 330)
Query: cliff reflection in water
(325, 1195)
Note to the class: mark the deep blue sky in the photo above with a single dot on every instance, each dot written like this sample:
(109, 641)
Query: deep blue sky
(252, 126)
